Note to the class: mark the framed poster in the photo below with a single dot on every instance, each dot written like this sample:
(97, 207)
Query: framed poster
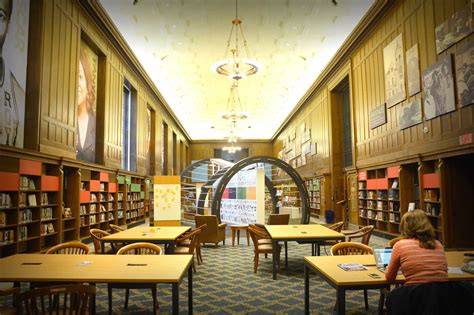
(378, 116)
(465, 74)
(410, 114)
(438, 89)
(13, 55)
(86, 103)
(458, 26)
(413, 70)
(394, 71)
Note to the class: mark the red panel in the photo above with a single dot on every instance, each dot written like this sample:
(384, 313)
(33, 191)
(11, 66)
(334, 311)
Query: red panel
(9, 181)
(431, 180)
(112, 187)
(28, 167)
(104, 177)
(362, 175)
(49, 183)
(392, 172)
(85, 196)
(94, 185)
(372, 184)
(382, 183)
(225, 195)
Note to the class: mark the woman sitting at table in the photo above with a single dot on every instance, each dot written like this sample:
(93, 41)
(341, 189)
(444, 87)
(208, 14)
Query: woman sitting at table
(419, 255)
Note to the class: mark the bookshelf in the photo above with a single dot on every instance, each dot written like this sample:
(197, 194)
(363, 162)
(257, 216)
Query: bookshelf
(318, 194)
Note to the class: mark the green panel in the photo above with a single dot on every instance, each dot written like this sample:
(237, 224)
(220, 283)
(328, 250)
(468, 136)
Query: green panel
(128, 179)
(120, 179)
(135, 187)
(242, 193)
(142, 195)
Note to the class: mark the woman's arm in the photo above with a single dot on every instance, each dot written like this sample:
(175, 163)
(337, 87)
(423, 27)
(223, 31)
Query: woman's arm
(394, 265)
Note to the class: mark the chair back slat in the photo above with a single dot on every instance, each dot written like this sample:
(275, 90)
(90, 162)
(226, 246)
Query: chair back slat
(140, 249)
(96, 235)
(350, 248)
(70, 248)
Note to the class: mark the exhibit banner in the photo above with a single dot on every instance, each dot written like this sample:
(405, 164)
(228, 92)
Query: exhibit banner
(167, 200)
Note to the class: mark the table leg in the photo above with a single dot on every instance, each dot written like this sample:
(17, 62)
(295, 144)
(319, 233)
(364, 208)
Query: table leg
(247, 233)
(102, 247)
(170, 248)
(175, 297)
(286, 255)
(190, 289)
(274, 254)
(238, 237)
(341, 301)
(306, 289)
(93, 307)
(233, 237)
(319, 249)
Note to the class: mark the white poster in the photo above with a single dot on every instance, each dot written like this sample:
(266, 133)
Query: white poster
(13, 60)
(239, 211)
(167, 202)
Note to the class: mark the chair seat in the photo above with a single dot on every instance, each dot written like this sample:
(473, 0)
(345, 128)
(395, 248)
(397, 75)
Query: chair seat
(181, 250)
(265, 248)
(264, 241)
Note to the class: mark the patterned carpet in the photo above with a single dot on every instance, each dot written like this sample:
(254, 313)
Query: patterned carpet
(225, 284)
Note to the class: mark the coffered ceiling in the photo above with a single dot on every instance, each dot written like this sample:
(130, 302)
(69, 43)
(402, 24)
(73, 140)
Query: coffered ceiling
(177, 41)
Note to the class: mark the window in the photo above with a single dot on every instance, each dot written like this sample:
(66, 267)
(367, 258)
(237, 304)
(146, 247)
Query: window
(129, 128)
(164, 149)
(346, 126)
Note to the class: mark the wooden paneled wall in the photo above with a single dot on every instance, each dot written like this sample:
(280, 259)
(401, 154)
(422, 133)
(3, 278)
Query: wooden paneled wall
(416, 21)
(205, 149)
(52, 88)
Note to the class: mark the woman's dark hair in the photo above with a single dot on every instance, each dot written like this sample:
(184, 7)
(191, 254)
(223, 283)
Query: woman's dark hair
(415, 224)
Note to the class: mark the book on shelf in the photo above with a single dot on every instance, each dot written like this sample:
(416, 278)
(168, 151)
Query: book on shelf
(381, 194)
(22, 200)
(102, 186)
(395, 184)
(92, 209)
(7, 236)
(44, 199)
(393, 195)
(67, 213)
(83, 221)
(111, 216)
(3, 218)
(431, 195)
(393, 206)
(362, 185)
(27, 183)
(22, 233)
(103, 198)
(82, 210)
(50, 228)
(83, 186)
(32, 200)
(111, 197)
(92, 219)
(93, 197)
(102, 208)
(352, 267)
(44, 229)
(26, 216)
(5, 200)
(46, 213)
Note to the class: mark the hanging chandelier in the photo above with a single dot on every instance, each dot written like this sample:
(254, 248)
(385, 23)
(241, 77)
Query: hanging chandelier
(232, 139)
(233, 65)
(234, 105)
(232, 149)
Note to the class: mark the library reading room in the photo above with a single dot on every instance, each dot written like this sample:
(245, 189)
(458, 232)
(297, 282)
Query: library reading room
(237, 157)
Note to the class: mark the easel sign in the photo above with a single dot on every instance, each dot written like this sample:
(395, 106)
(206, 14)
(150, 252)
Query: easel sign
(167, 201)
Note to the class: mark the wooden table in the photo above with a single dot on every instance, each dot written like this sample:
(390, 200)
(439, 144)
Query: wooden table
(342, 280)
(166, 235)
(101, 269)
(311, 233)
(236, 229)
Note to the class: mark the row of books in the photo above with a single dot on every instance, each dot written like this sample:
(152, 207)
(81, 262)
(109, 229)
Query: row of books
(7, 236)
(46, 213)
(3, 218)
(27, 183)
(84, 186)
(5, 201)
(27, 200)
(47, 229)
(134, 196)
(433, 208)
(431, 195)
(381, 216)
(22, 233)
(25, 216)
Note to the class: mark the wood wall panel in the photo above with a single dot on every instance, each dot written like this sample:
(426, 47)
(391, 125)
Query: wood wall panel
(202, 150)
(64, 24)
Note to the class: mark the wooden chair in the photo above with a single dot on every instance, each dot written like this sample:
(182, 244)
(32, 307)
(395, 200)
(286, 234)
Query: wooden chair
(62, 299)
(350, 248)
(183, 241)
(7, 289)
(363, 233)
(135, 249)
(336, 227)
(116, 228)
(96, 235)
(394, 240)
(191, 238)
(261, 248)
(70, 248)
(214, 233)
(278, 219)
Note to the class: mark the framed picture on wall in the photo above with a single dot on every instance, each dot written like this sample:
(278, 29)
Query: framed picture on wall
(394, 70)
(13, 55)
(455, 28)
(438, 89)
(413, 70)
(410, 114)
(465, 74)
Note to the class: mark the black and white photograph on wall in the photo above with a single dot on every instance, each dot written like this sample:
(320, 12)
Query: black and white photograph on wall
(413, 70)
(455, 28)
(14, 20)
(394, 70)
(438, 89)
(410, 114)
(465, 74)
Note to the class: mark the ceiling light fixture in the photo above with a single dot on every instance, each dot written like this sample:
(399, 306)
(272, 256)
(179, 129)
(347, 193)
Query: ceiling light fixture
(232, 149)
(234, 66)
(234, 105)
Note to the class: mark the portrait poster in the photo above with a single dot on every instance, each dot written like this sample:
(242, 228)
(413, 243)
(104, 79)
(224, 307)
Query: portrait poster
(413, 70)
(86, 103)
(438, 89)
(394, 70)
(410, 114)
(465, 74)
(13, 57)
(455, 28)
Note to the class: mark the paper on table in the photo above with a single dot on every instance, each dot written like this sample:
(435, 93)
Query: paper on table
(85, 263)
(455, 270)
